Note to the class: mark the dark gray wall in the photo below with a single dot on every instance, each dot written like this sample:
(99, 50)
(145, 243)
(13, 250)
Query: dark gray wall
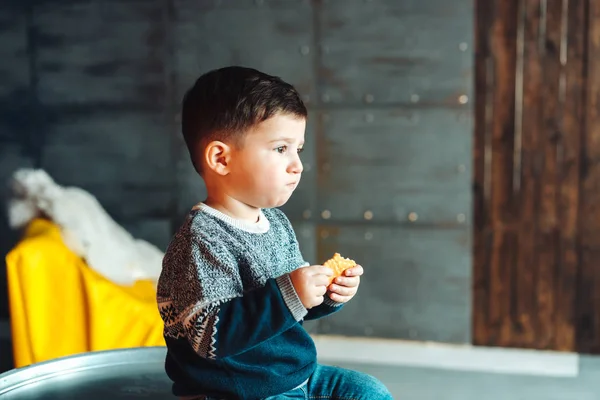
(90, 91)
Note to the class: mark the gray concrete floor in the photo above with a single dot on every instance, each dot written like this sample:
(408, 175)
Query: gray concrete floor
(409, 383)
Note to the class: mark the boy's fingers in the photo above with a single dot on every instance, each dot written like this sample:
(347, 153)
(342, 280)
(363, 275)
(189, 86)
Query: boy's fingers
(321, 270)
(337, 298)
(354, 271)
(342, 290)
(348, 282)
(321, 280)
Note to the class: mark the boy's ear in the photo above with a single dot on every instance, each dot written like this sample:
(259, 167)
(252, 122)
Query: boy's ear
(217, 155)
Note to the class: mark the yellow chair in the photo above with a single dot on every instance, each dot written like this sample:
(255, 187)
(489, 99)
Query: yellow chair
(60, 307)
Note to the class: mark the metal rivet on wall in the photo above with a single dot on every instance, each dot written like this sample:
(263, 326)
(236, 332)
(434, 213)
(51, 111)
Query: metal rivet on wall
(326, 214)
(463, 99)
(324, 234)
(414, 98)
(412, 217)
(369, 117)
(325, 98)
(306, 214)
(461, 218)
(368, 215)
(461, 168)
(463, 46)
(304, 50)
(368, 236)
(369, 98)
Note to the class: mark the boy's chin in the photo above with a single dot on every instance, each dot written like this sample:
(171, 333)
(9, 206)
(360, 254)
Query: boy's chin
(277, 203)
(272, 202)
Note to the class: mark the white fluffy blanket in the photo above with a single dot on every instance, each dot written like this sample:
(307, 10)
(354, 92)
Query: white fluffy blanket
(86, 227)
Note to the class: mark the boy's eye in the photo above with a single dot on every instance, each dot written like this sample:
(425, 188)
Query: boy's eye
(281, 149)
(300, 150)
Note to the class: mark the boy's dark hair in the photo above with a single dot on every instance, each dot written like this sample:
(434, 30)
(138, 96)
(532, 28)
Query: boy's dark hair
(224, 103)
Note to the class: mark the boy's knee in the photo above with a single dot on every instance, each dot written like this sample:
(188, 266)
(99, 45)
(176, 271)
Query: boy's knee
(374, 388)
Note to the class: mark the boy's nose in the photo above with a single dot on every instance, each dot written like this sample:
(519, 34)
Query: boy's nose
(296, 167)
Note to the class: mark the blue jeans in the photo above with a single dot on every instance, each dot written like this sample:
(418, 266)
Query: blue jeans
(334, 383)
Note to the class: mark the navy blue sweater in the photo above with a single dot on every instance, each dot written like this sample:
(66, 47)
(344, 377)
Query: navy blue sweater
(233, 321)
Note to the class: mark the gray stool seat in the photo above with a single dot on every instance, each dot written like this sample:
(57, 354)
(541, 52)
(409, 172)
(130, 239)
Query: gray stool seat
(136, 373)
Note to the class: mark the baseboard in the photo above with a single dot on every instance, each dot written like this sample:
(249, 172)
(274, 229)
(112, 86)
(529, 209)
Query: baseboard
(446, 356)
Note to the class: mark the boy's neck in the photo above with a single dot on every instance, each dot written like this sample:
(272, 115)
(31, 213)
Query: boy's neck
(233, 208)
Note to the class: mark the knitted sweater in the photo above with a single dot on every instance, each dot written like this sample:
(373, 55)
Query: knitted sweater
(232, 318)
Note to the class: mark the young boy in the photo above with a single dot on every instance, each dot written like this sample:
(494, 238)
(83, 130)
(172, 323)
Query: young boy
(234, 288)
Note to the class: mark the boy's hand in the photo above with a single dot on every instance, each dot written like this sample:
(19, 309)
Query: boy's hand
(311, 284)
(345, 287)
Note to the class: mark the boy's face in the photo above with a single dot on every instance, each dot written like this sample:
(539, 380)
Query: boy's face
(265, 170)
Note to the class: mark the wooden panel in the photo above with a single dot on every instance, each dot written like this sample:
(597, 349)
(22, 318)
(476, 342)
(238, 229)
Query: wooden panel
(529, 125)
(101, 54)
(481, 181)
(395, 51)
(524, 307)
(123, 159)
(415, 282)
(588, 301)
(566, 318)
(396, 162)
(272, 36)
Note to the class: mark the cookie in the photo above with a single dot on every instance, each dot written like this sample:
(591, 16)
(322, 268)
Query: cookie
(338, 264)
